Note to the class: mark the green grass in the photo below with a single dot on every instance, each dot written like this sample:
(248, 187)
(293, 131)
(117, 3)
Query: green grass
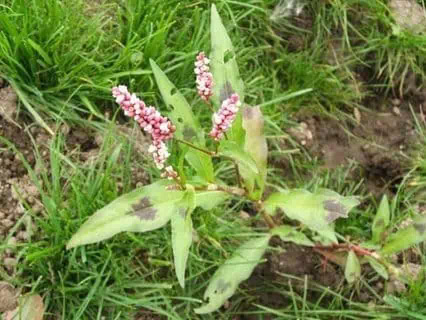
(63, 57)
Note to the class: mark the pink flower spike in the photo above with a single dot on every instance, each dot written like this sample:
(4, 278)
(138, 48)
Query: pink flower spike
(204, 78)
(150, 120)
(225, 116)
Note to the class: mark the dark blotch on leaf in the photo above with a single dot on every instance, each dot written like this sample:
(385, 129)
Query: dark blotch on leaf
(143, 210)
(182, 212)
(420, 227)
(334, 210)
(380, 222)
(226, 91)
(222, 286)
(173, 91)
(189, 133)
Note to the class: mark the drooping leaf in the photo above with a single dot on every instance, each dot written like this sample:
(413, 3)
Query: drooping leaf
(353, 268)
(182, 233)
(238, 268)
(31, 307)
(187, 126)
(207, 199)
(226, 76)
(289, 234)
(407, 237)
(255, 145)
(244, 160)
(316, 210)
(378, 267)
(144, 209)
(381, 220)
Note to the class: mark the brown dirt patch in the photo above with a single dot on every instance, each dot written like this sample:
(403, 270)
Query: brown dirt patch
(378, 143)
(145, 314)
(8, 297)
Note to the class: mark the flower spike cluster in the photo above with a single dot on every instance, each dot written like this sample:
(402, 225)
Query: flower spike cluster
(223, 118)
(151, 121)
(204, 77)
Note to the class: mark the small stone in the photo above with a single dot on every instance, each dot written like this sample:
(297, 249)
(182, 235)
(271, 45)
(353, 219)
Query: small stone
(8, 297)
(244, 215)
(396, 102)
(413, 270)
(10, 263)
(23, 235)
(7, 223)
(395, 286)
(408, 14)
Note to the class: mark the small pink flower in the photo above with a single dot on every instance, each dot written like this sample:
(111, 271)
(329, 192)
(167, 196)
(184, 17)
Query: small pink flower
(150, 120)
(225, 116)
(204, 79)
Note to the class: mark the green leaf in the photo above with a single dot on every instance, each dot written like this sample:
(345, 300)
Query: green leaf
(289, 234)
(224, 66)
(209, 199)
(187, 126)
(353, 268)
(378, 267)
(381, 220)
(226, 76)
(406, 238)
(244, 160)
(315, 210)
(255, 145)
(182, 233)
(235, 270)
(143, 209)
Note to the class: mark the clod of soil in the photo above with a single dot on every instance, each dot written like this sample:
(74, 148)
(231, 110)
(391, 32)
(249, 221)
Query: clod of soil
(8, 103)
(8, 297)
(409, 15)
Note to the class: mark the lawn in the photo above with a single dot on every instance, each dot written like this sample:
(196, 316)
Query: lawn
(341, 86)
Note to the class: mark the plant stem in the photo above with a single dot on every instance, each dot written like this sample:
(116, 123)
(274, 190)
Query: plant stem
(237, 172)
(189, 144)
(360, 252)
(268, 219)
(210, 106)
(231, 190)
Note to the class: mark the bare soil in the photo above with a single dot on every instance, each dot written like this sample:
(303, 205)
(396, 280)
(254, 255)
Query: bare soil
(379, 144)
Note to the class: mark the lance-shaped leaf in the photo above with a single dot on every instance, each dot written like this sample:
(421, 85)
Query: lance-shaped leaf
(226, 76)
(255, 145)
(353, 268)
(182, 233)
(209, 199)
(187, 126)
(143, 209)
(378, 267)
(315, 210)
(407, 237)
(232, 150)
(238, 268)
(381, 220)
(289, 234)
